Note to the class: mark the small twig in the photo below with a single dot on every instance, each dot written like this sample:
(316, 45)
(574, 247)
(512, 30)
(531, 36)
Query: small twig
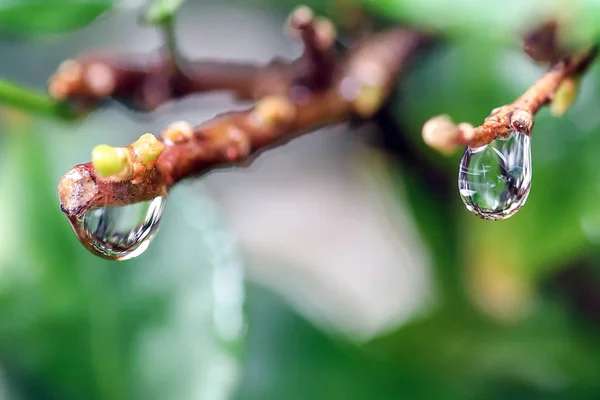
(147, 82)
(318, 36)
(558, 87)
(170, 39)
(518, 116)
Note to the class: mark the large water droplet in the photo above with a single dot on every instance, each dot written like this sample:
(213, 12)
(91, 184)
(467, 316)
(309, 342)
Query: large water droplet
(120, 233)
(494, 180)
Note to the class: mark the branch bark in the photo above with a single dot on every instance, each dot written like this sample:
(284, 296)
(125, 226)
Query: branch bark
(146, 82)
(295, 98)
(519, 115)
(440, 132)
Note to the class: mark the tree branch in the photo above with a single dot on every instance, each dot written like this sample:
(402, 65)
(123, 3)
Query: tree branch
(291, 103)
(440, 132)
(147, 82)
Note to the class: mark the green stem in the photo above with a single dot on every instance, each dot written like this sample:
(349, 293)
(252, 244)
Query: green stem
(168, 32)
(32, 100)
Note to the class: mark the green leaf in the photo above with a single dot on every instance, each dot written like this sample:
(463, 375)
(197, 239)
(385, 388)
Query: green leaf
(291, 359)
(38, 17)
(160, 12)
(496, 21)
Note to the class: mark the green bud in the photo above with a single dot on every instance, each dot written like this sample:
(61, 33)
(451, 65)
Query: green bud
(147, 148)
(565, 96)
(108, 160)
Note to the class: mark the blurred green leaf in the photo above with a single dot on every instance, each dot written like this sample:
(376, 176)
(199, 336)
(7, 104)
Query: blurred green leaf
(493, 20)
(501, 22)
(38, 17)
(291, 359)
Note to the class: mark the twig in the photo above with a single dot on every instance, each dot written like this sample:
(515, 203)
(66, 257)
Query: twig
(441, 133)
(318, 35)
(519, 116)
(147, 82)
(359, 85)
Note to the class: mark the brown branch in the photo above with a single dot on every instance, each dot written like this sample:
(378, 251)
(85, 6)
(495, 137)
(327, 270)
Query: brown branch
(440, 132)
(318, 36)
(359, 84)
(147, 82)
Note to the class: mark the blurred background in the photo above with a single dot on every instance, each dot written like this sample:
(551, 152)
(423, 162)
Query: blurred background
(339, 266)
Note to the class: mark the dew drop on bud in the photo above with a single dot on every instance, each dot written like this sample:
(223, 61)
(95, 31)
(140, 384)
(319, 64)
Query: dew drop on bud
(121, 232)
(494, 180)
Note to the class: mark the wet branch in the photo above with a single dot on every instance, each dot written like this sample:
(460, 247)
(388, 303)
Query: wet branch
(146, 82)
(557, 87)
(519, 115)
(318, 89)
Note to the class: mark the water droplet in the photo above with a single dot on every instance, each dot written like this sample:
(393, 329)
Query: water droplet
(494, 180)
(120, 233)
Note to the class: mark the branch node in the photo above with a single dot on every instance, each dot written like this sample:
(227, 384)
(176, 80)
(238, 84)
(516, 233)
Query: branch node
(239, 146)
(520, 121)
(100, 79)
(73, 78)
(273, 111)
(369, 99)
(177, 132)
(318, 36)
(301, 17)
(147, 149)
(112, 162)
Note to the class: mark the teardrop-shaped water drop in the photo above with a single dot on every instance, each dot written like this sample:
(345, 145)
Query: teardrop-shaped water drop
(121, 232)
(494, 180)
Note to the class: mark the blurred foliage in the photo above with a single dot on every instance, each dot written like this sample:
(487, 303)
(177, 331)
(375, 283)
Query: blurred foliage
(71, 324)
(37, 17)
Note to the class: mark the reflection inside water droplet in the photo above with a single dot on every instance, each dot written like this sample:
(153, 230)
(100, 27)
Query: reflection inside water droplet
(494, 180)
(120, 233)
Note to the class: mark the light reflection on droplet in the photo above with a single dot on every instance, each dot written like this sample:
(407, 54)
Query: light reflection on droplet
(494, 180)
(122, 232)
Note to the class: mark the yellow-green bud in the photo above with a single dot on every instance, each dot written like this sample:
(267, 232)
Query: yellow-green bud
(273, 110)
(369, 100)
(108, 160)
(147, 148)
(177, 132)
(565, 96)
